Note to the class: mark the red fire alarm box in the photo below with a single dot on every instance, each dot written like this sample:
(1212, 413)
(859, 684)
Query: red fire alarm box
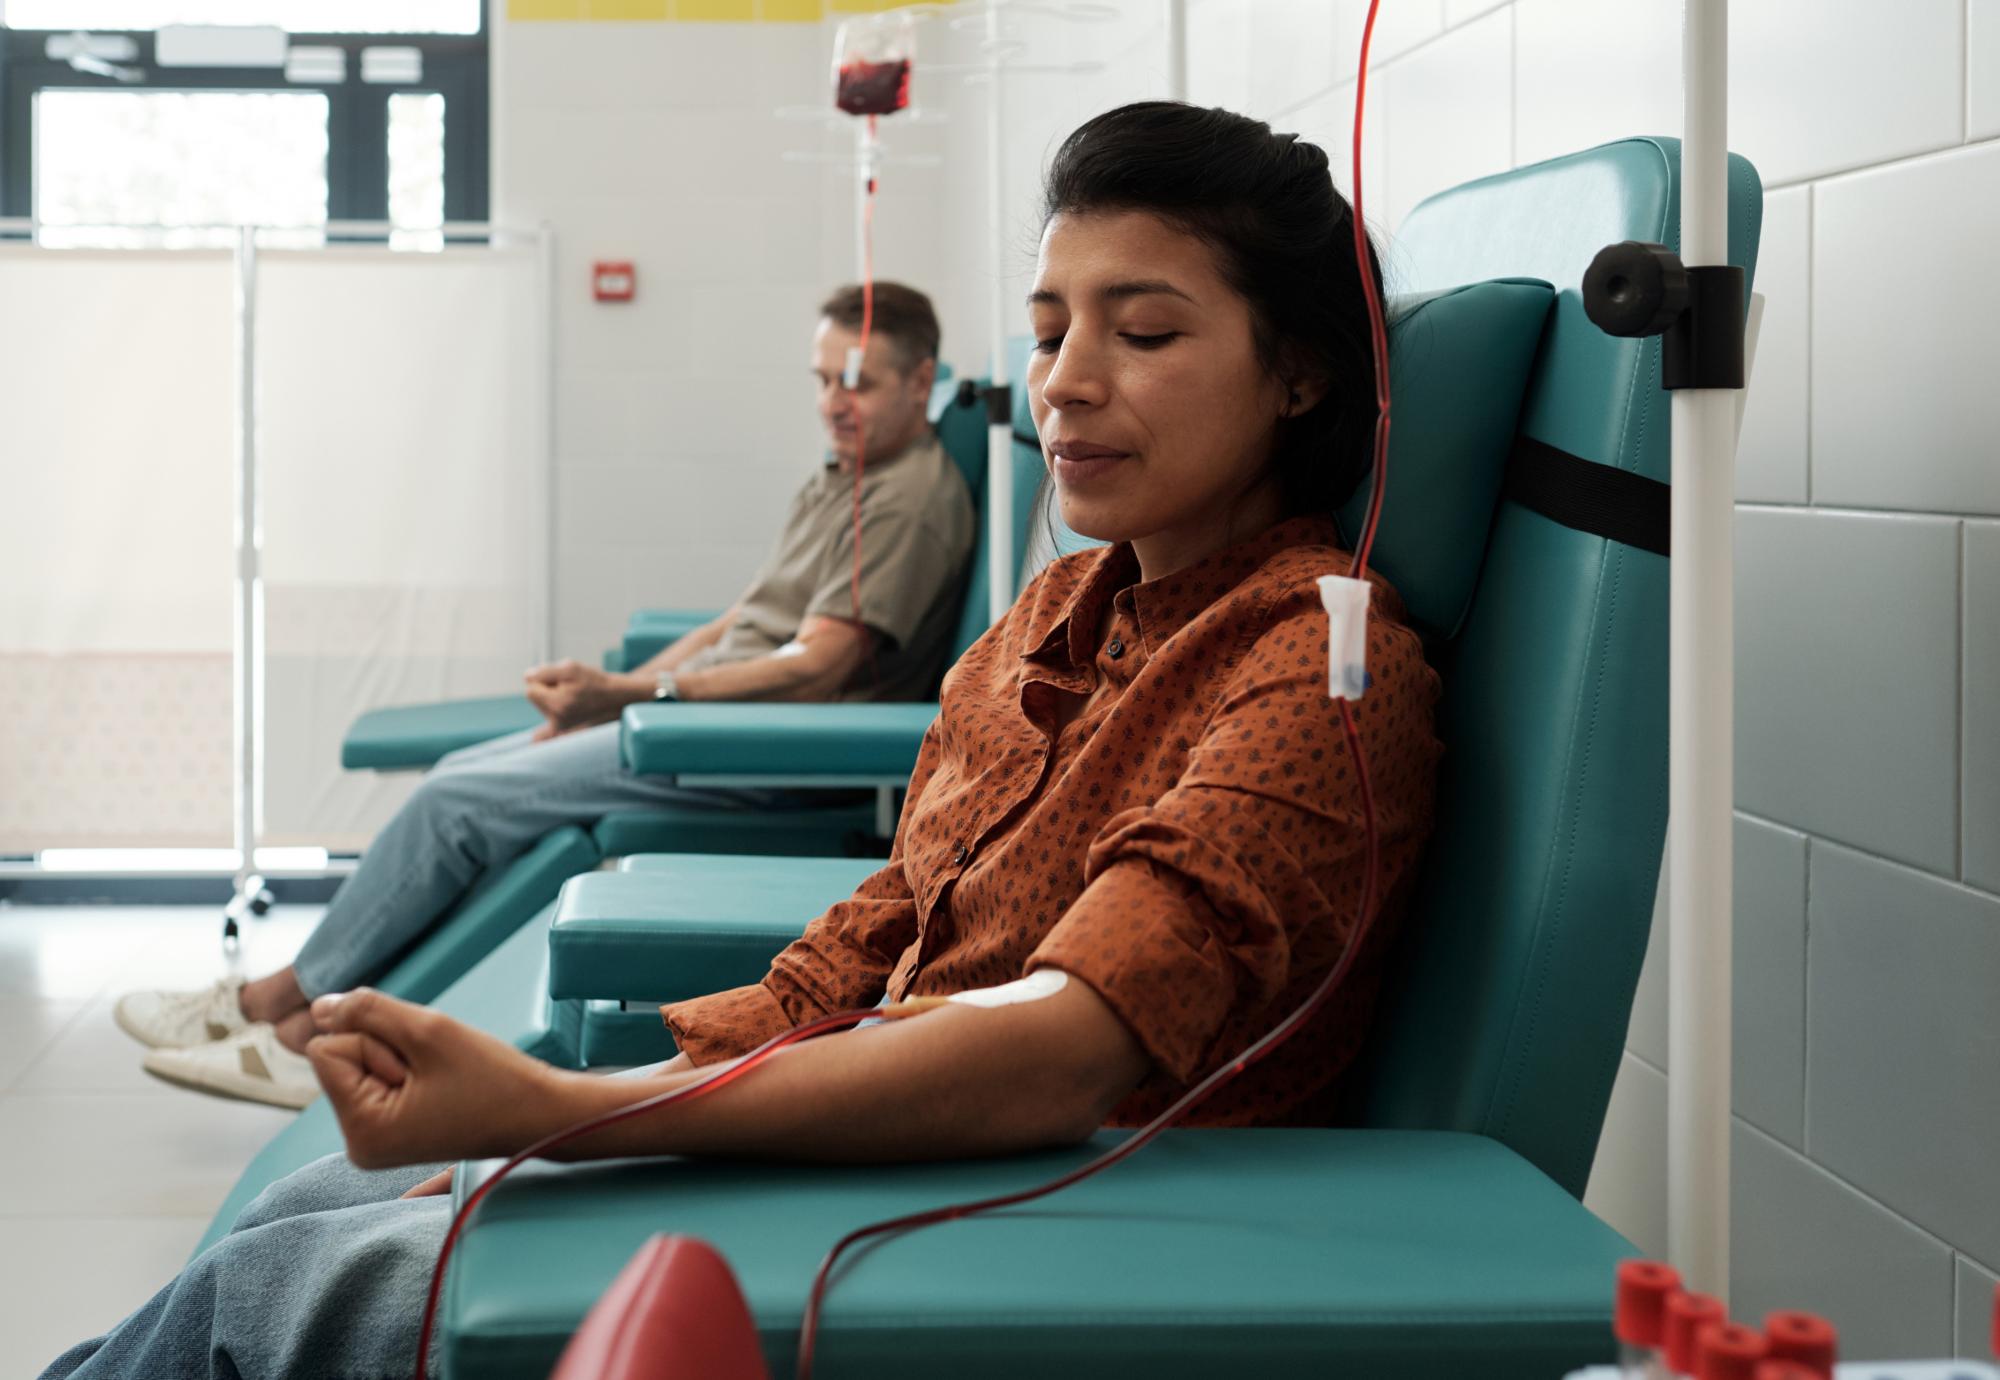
(613, 282)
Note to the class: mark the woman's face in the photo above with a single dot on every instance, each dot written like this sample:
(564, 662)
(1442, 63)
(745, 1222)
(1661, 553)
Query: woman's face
(1156, 418)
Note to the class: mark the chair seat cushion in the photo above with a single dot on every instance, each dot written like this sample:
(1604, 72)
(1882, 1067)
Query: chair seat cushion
(675, 926)
(409, 736)
(1320, 1252)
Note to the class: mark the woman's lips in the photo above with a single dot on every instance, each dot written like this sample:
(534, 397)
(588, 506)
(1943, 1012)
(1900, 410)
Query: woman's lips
(1085, 471)
(1079, 462)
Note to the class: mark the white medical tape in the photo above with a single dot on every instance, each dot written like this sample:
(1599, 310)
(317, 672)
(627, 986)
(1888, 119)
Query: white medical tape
(1346, 603)
(1043, 982)
(850, 377)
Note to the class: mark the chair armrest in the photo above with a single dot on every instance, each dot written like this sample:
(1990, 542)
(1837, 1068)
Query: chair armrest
(406, 737)
(688, 925)
(797, 744)
(608, 958)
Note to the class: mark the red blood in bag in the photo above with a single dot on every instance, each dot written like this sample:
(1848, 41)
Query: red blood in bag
(874, 88)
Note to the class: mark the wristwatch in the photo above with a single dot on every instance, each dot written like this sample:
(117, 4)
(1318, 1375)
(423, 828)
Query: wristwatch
(664, 686)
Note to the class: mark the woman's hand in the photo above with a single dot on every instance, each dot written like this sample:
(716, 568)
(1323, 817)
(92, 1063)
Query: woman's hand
(409, 1085)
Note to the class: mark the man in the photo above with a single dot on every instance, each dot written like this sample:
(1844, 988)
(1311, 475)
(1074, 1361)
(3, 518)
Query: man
(807, 628)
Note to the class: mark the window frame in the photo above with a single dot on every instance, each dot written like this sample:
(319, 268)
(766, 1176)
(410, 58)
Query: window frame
(357, 160)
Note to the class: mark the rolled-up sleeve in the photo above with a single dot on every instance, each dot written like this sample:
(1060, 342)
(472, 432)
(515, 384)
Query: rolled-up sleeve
(841, 962)
(1196, 909)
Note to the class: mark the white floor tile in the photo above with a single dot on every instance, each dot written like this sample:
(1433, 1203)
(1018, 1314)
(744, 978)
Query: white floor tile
(92, 1055)
(28, 1026)
(64, 1279)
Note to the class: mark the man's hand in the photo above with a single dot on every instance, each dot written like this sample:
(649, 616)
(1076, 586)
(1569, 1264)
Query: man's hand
(571, 695)
(410, 1085)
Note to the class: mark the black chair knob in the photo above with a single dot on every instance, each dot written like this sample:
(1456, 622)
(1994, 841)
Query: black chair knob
(1635, 288)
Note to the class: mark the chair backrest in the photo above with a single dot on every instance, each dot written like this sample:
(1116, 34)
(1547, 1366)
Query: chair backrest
(960, 418)
(1510, 991)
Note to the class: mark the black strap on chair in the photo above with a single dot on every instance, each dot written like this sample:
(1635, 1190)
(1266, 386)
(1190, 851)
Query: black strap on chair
(1589, 497)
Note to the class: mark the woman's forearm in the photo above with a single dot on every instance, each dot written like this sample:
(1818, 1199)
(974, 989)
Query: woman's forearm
(951, 1083)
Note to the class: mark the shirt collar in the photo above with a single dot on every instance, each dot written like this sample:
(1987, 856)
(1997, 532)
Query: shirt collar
(1063, 636)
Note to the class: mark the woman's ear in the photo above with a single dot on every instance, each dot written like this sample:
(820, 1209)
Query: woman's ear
(1303, 394)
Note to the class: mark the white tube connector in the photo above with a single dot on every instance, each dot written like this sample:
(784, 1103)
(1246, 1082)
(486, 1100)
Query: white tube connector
(1346, 601)
(850, 377)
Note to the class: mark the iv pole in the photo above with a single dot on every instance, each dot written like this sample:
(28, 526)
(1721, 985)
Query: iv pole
(1701, 727)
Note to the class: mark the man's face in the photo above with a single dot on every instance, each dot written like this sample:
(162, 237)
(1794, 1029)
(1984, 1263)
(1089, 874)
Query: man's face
(885, 411)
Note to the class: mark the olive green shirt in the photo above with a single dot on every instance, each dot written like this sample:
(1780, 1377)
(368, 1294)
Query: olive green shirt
(916, 540)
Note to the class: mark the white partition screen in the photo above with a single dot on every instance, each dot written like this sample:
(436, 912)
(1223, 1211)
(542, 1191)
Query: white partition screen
(116, 437)
(402, 461)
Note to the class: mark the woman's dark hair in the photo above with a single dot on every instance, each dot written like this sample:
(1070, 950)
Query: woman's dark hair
(1266, 205)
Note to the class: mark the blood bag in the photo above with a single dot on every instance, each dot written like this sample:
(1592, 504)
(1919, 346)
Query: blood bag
(871, 64)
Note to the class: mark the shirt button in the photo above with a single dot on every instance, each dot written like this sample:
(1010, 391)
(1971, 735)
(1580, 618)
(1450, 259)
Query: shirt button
(1116, 649)
(960, 854)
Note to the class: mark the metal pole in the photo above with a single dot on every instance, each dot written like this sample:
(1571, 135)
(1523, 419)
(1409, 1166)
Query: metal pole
(1700, 727)
(1177, 76)
(249, 593)
(545, 370)
(999, 434)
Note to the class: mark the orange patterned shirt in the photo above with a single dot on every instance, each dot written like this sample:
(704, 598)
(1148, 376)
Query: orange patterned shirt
(1190, 844)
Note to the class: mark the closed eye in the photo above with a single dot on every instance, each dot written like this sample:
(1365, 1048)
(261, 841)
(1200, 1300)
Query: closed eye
(1152, 342)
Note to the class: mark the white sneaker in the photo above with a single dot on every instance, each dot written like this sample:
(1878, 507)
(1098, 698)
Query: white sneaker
(250, 1064)
(180, 1020)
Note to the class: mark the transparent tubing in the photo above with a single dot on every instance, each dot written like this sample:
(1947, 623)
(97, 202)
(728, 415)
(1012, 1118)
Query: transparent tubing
(1700, 723)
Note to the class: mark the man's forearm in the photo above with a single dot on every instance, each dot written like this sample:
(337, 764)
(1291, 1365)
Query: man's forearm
(670, 657)
(803, 674)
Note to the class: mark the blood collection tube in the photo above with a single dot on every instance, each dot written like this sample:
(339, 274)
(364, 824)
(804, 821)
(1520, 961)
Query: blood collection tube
(1640, 1318)
(1686, 1314)
(1803, 1338)
(1728, 1351)
(1785, 1370)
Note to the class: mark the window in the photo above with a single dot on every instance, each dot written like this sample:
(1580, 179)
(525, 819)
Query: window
(297, 16)
(107, 162)
(336, 126)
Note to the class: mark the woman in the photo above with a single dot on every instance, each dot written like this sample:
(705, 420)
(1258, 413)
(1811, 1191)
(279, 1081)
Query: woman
(1136, 781)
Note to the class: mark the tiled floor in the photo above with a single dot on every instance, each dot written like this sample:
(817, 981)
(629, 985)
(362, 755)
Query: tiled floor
(107, 1178)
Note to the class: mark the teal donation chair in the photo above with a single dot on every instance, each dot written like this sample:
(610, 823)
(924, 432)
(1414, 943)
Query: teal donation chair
(1442, 1233)
(500, 902)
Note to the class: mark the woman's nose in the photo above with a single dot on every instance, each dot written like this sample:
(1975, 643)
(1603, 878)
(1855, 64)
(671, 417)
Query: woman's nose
(1075, 378)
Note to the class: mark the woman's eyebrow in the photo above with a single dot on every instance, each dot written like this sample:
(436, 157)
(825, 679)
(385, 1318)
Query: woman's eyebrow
(1141, 287)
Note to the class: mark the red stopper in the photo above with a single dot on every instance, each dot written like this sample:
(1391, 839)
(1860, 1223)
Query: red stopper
(1804, 1338)
(1786, 1370)
(1728, 1351)
(1996, 1322)
(1643, 1287)
(1685, 1315)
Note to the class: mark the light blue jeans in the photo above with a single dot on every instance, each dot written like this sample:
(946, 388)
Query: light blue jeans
(323, 1277)
(479, 808)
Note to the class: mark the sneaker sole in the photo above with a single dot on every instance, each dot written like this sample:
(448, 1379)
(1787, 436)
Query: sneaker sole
(265, 1094)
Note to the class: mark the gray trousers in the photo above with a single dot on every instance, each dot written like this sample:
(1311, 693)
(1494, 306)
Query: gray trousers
(323, 1277)
(479, 808)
